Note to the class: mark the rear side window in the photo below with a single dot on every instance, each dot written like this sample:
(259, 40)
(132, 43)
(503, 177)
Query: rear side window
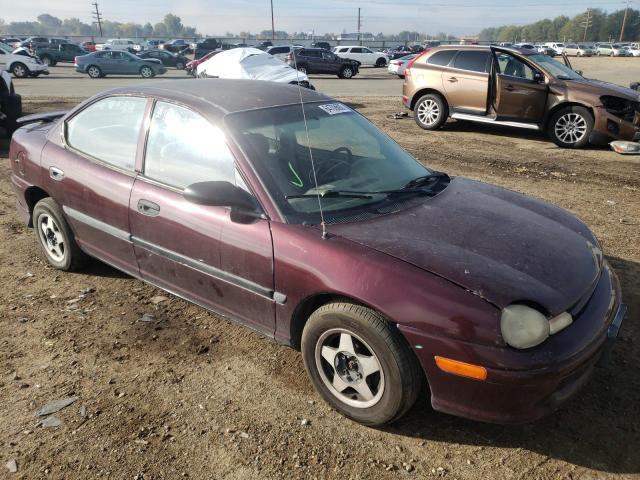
(474, 61)
(311, 53)
(442, 58)
(357, 50)
(108, 130)
(184, 148)
(275, 51)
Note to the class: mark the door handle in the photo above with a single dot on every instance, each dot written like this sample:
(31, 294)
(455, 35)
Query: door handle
(509, 88)
(56, 174)
(150, 209)
(452, 79)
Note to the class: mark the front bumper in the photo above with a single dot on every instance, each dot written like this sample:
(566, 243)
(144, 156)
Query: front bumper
(510, 395)
(608, 127)
(38, 67)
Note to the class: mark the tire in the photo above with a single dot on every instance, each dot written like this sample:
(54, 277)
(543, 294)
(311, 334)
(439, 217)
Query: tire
(55, 238)
(146, 72)
(570, 127)
(94, 71)
(19, 70)
(431, 111)
(381, 62)
(401, 76)
(47, 60)
(346, 73)
(180, 65)
(353, 339)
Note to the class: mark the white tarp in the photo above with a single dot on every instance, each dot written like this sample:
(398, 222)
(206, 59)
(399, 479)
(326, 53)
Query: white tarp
(249, 63)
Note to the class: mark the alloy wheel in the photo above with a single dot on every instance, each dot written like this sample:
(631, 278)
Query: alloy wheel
(51, 237)
(20, 70)
(571, 128)
(146, 72)
(349, 368)
(347, 73)
(428, 112)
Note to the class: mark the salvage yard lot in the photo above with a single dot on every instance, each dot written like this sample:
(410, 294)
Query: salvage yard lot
(189, 394)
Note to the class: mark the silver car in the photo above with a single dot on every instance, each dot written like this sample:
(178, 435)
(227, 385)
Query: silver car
(578, 50)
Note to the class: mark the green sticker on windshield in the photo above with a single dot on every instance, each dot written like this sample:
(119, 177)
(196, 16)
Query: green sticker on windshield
(335, 108)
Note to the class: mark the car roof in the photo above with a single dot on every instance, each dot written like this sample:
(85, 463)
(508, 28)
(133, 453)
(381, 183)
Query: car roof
(521, 51)
(218, 97)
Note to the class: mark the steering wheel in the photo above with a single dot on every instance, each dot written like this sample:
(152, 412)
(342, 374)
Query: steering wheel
(326, 168)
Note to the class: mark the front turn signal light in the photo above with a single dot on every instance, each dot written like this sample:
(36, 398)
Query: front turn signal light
(461, 369)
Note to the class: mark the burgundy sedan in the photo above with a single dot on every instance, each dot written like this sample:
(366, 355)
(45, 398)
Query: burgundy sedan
(313, 227)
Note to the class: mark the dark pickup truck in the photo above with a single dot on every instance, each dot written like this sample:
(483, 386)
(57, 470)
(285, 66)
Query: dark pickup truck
(205, 46)
(65, 52)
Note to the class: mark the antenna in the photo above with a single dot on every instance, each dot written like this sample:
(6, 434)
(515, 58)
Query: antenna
(325, 234)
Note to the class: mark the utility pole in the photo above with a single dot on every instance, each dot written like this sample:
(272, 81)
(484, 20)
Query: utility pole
(624, 20)
(586, 24)
(273, 27)
(98, 16)
(359, 25)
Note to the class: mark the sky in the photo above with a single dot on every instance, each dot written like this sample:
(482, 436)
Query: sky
(216, 17)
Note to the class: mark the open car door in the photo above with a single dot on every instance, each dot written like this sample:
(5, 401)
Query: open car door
(518, 89)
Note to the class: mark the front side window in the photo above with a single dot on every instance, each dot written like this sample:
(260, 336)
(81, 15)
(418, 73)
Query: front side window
(185, 148)
(514, 67)
(328, 56)
(108, 130)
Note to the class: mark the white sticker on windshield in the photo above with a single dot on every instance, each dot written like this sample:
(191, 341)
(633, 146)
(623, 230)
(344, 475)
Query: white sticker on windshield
(335, 108)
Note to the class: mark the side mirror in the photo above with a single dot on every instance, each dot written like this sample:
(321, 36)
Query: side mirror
(580, 72)
(219, 194)
(538, 77)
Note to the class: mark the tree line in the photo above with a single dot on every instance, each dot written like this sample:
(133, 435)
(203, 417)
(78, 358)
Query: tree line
(602, 26)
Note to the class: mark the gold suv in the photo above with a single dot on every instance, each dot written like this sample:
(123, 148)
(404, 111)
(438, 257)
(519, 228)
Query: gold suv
(518, 88)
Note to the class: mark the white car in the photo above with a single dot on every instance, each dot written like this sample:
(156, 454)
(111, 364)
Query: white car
(281, 52)
(116, 44)
(362, 54)
(577, 50)
(612, 50)
(634, 51)
(399, 65)
(251, 63)
(21, 65)
(556, 47)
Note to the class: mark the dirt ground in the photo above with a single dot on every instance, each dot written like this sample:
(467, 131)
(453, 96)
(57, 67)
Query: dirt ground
(189, 395)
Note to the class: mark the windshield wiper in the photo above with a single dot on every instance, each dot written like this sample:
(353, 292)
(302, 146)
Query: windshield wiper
(424, 180)
(332, 194)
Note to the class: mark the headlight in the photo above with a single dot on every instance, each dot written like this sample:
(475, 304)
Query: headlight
(523, 327)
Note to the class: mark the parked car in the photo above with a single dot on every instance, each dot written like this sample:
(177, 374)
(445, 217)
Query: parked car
(399, 65)
(518, 88)
(152, 44)
(89, 46)
(611, 50)
(192, 67)
(398, 52)
(527, 46)
(168, 59)
(205, 46)
(319, 61)
(264, 45)
(392, 294)
(251, 64)
(577, 50)
(176, 46)
(558, 48)
(418, 48)
(55, 42)
(117, 62)
(33, 42)
(10, 103)
(65, 52)
(362, 54)
(21, 65)
(281, 52)
(123, 44)
(545, 50)
(13, 42)
(322, 45)
(634, 51)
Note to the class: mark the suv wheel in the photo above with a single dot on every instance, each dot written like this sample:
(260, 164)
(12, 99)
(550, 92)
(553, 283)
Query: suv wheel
(381, 62)
(360, 364)
(431, 112)
(94, 72)
(47, 60)
(346, 72)
(56, 240)
(19, 70)
(570, 127)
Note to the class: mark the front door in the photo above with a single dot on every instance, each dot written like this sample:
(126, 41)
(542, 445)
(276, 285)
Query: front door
(331, 63)
(199, 252)
(92, 174)
(520, 89)
(466, 81)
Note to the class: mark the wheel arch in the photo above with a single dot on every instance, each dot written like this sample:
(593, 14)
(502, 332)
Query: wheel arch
(425, 91)
(32, 196)
(562, 105)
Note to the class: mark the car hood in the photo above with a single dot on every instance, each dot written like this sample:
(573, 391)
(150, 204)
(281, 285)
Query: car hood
(501, 245)
(605, 88)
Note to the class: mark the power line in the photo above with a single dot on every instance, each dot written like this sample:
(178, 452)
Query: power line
(98, 16)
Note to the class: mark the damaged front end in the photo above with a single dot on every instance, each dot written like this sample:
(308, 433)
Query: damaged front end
(617, 118)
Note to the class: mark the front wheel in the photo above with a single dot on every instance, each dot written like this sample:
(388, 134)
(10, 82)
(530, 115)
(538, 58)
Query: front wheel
(19, 70)
(360, 364)
(570, 127)
(346, 72)
(56, 240)
(431, 112)
(146, 72)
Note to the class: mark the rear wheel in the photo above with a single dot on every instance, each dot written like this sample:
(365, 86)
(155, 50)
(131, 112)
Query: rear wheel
(47, 60)
(19, 70)
(180, 65)
(346, 72)
(381, 62)
(359, 363)
(94, 72)
(431, 112)
(146, 72)
(570, 127)
(56, 240)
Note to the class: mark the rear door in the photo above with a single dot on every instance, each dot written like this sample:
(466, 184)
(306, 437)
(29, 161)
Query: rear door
(204, 254)
(466, 81)
(520, 89)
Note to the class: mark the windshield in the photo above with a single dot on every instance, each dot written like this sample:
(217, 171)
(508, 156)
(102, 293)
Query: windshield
(349, 154)
(555, 68)
(6, 48)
